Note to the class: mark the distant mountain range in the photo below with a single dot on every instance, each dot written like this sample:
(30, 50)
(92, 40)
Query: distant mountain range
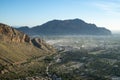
(66, 27)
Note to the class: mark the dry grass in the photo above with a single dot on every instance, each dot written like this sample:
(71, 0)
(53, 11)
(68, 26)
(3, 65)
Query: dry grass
(18, 52)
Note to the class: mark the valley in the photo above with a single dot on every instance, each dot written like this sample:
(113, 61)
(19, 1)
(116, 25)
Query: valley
(85, 57)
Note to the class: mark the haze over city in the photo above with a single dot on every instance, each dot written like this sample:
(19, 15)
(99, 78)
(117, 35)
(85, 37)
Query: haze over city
(103, 13)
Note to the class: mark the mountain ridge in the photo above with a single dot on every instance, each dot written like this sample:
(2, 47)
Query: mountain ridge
(66, 27)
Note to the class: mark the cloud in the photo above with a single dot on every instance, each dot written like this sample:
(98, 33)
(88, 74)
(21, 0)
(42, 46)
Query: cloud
(111, 8)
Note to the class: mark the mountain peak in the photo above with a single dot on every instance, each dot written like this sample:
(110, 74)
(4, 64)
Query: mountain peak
(76, 19)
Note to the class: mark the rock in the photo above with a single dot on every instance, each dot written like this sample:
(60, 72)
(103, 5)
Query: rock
(10, 34)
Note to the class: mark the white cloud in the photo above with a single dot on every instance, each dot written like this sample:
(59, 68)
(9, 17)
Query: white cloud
(111, 8)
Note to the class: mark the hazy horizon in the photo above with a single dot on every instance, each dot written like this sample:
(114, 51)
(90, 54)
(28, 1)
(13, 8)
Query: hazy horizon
(103, 13)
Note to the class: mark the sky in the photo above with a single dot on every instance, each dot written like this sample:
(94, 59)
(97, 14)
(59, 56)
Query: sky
(103, 13)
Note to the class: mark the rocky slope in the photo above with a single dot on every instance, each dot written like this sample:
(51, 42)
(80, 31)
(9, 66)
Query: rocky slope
(17, 47)
(9, 34)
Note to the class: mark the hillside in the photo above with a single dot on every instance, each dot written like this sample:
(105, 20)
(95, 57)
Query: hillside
(17, 48)
(66, 27)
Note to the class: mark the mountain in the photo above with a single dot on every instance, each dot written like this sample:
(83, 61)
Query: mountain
(22, 56)
(66, 27)
(25, 29)
(17, 48)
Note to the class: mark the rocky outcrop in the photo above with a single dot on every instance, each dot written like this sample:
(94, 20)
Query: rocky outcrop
(41, 44)
(8, 33)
